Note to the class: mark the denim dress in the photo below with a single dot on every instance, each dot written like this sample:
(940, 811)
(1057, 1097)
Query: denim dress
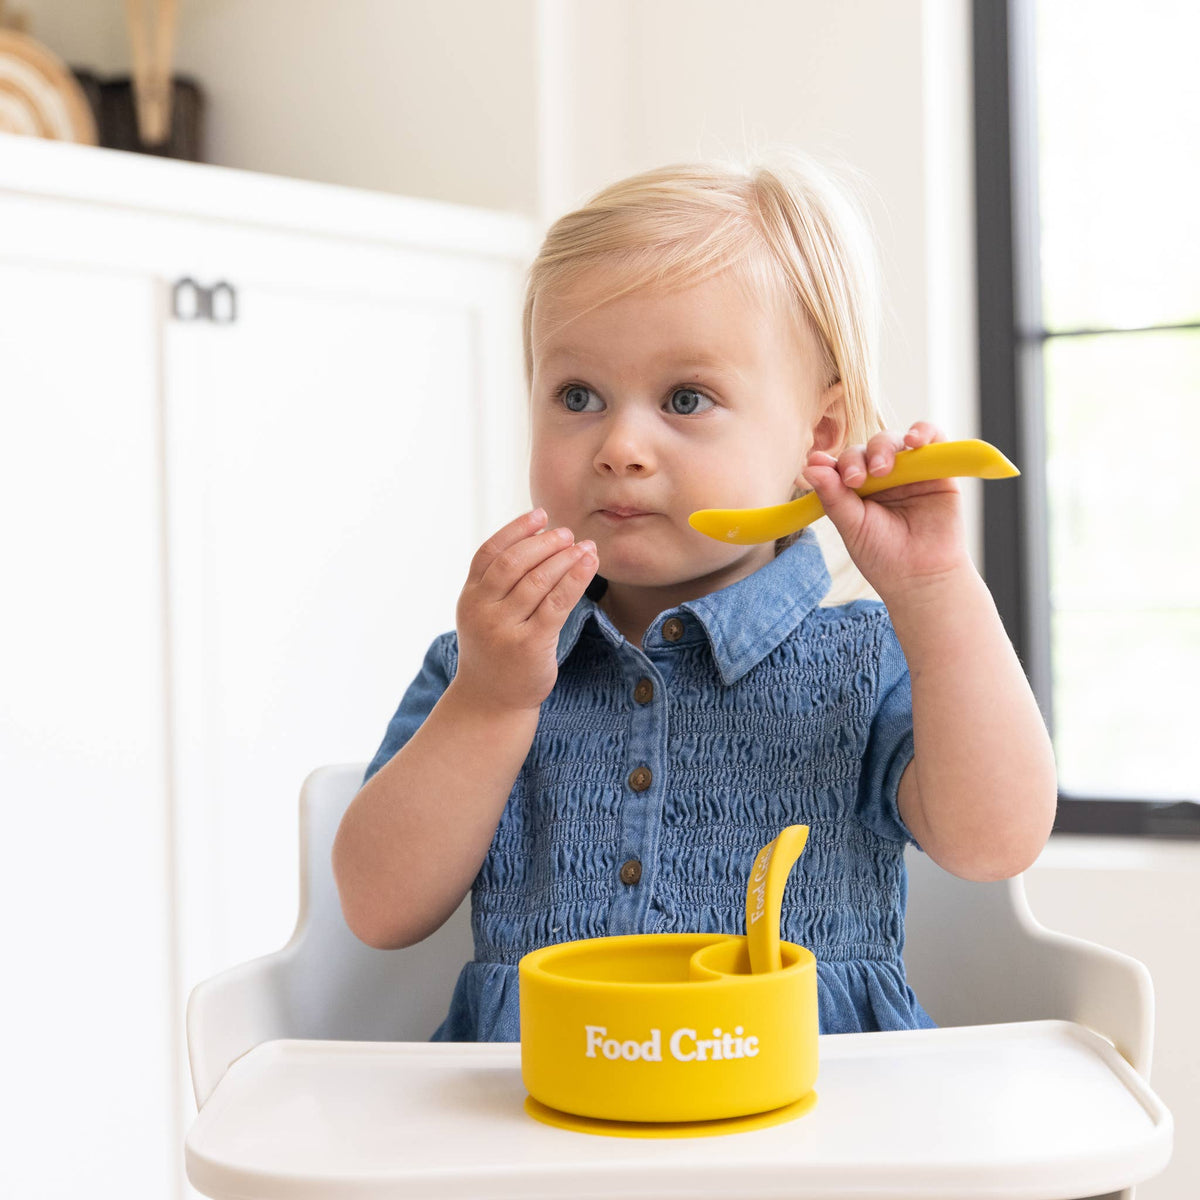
(657, 773)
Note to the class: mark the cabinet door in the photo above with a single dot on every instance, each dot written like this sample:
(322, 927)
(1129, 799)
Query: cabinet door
(88, 1007)
(324, 456)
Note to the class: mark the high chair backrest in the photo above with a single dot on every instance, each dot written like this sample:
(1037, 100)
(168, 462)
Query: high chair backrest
(974, 955)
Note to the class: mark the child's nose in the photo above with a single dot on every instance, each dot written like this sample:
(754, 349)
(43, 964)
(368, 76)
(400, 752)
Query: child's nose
(625, 450)
(621, 454)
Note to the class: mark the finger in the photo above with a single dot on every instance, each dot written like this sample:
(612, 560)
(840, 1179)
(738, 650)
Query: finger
(852, 465)
(536, 584)
(522, 527)
(842, 504)
(881, 451)
(921, 433)
(565, 594)
(507, 571)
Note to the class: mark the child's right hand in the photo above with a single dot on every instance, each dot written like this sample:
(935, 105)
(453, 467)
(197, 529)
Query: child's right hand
(523, 582)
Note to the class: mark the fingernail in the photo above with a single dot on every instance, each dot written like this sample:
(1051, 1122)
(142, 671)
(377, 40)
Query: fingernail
(538, 515)
(876, 463)
(588, 547)
(562, 533)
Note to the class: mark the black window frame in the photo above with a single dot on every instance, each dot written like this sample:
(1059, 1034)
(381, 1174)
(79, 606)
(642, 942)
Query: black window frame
(1011, 338)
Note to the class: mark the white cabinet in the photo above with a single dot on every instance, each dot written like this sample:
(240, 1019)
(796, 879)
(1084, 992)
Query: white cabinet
(226, 545)
(86, 924)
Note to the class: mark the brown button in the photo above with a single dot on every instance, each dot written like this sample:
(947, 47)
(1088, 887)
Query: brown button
(672, 629)
(631, 872)
(644, 692)
(639, 778)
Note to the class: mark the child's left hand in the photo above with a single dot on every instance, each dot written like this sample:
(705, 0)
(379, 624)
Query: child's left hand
(901, 537)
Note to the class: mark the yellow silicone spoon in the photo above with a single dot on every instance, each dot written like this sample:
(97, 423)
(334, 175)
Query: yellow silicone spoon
(764, 897)
(938, 460)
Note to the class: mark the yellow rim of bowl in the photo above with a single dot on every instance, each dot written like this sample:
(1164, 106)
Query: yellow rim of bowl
(532, 963)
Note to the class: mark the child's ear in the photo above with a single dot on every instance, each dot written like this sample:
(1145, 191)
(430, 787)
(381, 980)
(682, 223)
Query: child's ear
(829, 432)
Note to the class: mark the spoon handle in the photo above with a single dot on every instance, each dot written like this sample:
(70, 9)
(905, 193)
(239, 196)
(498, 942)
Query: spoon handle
(764, 897)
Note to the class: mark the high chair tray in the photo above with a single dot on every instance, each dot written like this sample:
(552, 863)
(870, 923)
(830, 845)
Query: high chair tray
(1040, 1109)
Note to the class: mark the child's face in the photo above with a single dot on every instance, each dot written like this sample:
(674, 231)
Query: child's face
(660, 403)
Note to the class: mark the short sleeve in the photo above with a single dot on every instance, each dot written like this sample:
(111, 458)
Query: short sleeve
(441, 660)
(889, 743)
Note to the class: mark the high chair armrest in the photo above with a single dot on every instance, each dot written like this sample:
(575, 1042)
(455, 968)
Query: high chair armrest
(251, 1000)
(976, 955)
(1109, 992)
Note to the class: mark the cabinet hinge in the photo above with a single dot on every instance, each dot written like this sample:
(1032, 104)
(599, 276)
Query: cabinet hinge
(190, 301)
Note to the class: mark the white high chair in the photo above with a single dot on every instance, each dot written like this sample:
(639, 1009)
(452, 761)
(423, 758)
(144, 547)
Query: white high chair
(974, 954)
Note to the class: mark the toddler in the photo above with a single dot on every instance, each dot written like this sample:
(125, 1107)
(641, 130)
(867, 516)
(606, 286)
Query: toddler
(629, 710)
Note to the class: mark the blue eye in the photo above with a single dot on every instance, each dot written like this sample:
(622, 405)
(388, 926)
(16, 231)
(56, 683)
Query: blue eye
(577, 399)
(686, 401)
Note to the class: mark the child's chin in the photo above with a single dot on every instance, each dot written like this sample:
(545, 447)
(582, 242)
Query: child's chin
(636, 570)
(642, 567)
(659, 574)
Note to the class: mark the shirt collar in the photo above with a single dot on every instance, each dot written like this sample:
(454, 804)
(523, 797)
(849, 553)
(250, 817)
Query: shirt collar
(743, 622)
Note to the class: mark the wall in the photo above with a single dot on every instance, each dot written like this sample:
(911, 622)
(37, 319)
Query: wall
(528, 105)
(366, 93)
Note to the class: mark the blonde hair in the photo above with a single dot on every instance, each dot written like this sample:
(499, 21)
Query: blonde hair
(785, 227)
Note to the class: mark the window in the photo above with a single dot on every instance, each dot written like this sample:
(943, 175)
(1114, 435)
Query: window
(1087, 122)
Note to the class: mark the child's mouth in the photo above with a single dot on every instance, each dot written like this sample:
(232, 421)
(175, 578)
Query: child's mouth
(622, 516)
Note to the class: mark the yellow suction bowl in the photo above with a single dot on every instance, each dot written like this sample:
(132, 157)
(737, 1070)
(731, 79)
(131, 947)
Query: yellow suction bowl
(666, 1028)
